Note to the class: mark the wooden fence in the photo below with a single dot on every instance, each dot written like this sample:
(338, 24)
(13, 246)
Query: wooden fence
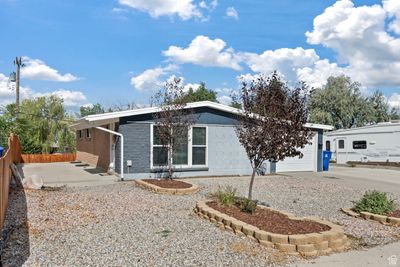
(47, 158)
(12, 155)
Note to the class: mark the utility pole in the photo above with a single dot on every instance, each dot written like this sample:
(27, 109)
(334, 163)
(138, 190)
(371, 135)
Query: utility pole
(18, 64)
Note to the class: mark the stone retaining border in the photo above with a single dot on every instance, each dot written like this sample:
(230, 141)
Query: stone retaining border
(307, 245)
(386, 220)
(168, 191)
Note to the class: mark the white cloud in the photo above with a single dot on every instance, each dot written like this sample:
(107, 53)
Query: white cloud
(36, 69)
(152, 79)
(205, 52)
(225, 99)
(194, 86)
(7, 94)
(360, 39)
(317, 74)
(71, 98)
(211, 6)
(232, 13)
(285, 60)
(393, 9)
(394, 100)
(185, 9)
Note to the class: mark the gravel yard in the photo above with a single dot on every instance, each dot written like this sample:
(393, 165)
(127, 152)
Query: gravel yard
(123, 225)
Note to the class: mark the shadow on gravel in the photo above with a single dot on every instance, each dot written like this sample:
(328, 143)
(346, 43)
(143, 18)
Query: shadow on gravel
(15, 235)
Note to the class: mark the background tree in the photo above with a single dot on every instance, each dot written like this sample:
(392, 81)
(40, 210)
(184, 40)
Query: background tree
(201, 94)
(380, 106)
(272, 123)
(172, 123)
(91, 110)
(42, 125)
(340, 103)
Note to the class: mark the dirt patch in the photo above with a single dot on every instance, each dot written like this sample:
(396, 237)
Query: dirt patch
(271, 221)
(168, 183)
(395, 213)
(373, 163)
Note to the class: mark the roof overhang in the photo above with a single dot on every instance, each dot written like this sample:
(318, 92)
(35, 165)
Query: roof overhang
(111, 117)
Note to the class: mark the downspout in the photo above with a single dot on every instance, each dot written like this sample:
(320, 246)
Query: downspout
(122, 147)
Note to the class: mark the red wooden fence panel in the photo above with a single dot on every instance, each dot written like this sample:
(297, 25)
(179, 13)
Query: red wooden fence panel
(47, 158)
(12, 155)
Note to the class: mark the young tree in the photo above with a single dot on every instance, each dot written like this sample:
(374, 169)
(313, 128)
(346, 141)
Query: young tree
(172, 124)
(272, 123)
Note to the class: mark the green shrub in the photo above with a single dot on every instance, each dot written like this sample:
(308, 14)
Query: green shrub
(225, 196)
(375, 202)
(246, 205)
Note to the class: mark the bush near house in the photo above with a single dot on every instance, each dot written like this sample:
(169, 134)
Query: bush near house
(375, 202)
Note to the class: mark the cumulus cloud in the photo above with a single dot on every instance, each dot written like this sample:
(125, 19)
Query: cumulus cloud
(317, 74)
(205, 52)
(185, 9)
(152, 79)
(209, 6)
(359, 37)
(232, 13)
(36, 69)
(285, 60)
(194, 86)
(7, 94)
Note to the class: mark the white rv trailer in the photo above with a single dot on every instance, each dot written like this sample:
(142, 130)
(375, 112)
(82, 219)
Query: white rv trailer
(372, 143)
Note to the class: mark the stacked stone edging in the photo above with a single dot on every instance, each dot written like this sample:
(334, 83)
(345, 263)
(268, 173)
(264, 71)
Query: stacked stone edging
(168, 191)
(309, 245)
(386, 220)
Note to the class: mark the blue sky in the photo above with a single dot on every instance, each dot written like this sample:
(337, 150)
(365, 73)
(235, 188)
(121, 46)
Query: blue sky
(121, 51)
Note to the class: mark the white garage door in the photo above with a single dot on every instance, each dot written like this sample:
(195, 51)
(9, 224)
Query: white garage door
(306, 163)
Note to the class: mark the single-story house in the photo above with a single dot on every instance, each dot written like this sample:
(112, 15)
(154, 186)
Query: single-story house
(372, 143)
(126, 143)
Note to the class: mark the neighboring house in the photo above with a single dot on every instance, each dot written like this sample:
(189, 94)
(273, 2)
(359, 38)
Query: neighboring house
(374, 143)
(125, 141)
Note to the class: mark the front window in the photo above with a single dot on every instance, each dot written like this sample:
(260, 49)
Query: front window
(160, 152)
(189, 149)
(199, 146)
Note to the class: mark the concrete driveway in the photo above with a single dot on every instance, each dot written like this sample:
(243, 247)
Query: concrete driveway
(387, 180)
(65, 173)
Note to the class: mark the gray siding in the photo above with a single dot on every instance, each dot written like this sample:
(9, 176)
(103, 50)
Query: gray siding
(136, 147)
(226, 156)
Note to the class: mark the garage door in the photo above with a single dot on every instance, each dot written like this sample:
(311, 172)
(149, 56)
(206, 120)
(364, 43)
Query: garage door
(306, 163)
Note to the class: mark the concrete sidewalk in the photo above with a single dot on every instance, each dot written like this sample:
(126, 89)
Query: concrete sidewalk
(378, 256)
(65, 173)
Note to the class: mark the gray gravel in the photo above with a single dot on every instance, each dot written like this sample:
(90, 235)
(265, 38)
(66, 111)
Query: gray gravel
(122, 225)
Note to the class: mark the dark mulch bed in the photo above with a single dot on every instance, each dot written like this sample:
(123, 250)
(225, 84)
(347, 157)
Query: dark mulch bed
(271, 221)
(395, 213)
(167, 183)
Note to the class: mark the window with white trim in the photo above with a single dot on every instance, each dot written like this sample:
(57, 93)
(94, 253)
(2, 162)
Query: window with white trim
(80, 135)
(189, 150)
(199, 145)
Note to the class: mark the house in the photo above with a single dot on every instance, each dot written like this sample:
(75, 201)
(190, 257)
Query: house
(373, 143)
(124, 142)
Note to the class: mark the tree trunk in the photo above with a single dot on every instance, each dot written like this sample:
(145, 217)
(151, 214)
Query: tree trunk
(170, 166)
(251, 183)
